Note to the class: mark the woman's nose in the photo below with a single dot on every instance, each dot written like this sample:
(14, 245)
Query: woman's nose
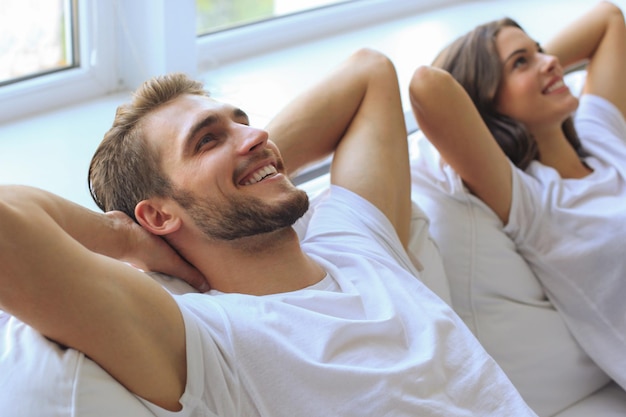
(549, 63)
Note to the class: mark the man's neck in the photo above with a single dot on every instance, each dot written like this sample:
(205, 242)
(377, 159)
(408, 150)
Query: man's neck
(264, 264)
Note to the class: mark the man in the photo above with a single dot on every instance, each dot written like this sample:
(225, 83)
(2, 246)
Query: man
(337, 324)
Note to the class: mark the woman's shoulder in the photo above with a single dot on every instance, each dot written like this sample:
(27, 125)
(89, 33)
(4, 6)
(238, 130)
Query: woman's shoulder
(600, 125)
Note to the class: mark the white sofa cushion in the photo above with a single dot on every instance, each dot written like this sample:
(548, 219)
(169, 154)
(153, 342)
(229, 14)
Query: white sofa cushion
(496, 294)
(40, 378)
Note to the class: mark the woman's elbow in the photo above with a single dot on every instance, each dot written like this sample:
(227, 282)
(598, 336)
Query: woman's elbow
(612, 11)
(427, 86)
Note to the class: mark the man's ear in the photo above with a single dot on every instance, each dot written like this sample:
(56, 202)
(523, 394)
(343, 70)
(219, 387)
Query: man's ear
(156, 217)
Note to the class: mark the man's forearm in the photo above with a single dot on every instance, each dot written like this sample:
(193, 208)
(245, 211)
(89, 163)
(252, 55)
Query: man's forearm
(98, 232)
(312, 125)
(113, 234)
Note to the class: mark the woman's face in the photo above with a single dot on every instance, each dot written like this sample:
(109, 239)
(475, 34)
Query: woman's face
(531, 90)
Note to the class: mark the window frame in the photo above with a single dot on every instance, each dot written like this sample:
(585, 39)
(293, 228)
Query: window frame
(89, 79)
(116, 55)
(229, 45)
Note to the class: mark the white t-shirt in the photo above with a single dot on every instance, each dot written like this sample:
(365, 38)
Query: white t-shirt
(368, 340)
(573, 234)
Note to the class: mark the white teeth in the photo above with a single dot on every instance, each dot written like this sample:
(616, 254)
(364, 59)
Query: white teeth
(555, 86)
(260, 174)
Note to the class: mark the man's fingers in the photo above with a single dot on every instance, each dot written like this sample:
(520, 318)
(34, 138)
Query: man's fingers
(193, 277)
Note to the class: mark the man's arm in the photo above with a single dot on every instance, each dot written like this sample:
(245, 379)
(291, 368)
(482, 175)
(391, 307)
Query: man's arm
(112, 312)
(355, 112)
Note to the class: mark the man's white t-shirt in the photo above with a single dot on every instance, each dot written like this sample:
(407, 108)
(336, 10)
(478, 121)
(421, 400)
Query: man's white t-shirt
(573, 234)
(368, 340)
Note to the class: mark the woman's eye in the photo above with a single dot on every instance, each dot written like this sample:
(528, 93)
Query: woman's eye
(519, 62)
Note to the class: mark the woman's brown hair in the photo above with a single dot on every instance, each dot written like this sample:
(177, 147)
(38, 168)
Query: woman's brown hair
(473, 60)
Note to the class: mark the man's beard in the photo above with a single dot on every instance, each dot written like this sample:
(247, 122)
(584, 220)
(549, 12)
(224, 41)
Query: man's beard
(242, 216)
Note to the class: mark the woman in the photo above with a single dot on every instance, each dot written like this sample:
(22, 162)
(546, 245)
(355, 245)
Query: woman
(499, 113)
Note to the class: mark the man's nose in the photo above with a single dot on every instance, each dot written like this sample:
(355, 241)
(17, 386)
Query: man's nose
(252, 139)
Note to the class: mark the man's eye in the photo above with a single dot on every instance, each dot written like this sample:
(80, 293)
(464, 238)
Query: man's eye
(207, 139)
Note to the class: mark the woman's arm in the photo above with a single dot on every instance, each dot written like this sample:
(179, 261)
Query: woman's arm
(452, 124)
(598, 36)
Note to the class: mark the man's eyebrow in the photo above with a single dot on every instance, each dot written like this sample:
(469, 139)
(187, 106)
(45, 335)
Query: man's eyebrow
(198, 126)
(207, 122)
(240, 114)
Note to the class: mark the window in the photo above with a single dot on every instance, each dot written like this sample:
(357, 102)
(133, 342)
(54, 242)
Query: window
(322, 18)
(107, 46)
(36, 37)
(54, 53)
(215, 15)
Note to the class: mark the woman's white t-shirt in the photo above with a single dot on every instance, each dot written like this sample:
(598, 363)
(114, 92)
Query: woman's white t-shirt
(573, 234)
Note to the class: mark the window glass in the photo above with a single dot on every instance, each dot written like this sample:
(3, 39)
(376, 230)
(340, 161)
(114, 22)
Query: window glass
(215, 15)
(35, 38)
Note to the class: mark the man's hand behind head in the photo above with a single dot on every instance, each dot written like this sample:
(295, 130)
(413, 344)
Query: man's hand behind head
(149, 252)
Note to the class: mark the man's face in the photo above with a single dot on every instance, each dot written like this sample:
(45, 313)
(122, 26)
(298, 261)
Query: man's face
(228, 176)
